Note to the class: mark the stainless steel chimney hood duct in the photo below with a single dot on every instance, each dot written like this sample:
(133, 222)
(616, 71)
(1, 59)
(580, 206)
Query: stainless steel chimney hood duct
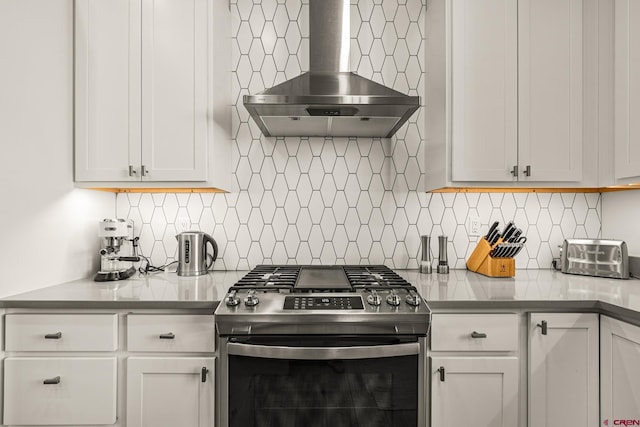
(329, 100)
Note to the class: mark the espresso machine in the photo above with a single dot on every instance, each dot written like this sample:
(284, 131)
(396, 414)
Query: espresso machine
(117, 250)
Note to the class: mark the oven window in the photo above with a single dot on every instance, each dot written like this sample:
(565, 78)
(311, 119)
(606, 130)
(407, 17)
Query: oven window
(380, 392)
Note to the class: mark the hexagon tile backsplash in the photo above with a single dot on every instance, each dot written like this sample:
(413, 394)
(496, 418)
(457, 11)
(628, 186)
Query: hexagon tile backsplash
(341, 200)
(357, 226)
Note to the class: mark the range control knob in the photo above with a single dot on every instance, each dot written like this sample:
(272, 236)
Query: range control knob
(412, 299)
(251, 300)
(374, 298)
(393, 299)
(232, 300)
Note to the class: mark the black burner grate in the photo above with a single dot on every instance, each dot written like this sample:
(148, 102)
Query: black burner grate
(284, 278)
(270, 276)
(365, 276)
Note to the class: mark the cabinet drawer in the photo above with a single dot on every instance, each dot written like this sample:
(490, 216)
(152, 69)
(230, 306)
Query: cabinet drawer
(61, 332)
(172, 333)
(80, 391)
(474, 332)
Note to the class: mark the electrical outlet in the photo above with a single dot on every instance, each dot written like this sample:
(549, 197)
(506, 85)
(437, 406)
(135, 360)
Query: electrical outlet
(183, 224)
(474, 226)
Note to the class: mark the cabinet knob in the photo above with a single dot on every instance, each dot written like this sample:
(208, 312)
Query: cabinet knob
(543, 325)
(205, 371)
(475, 334)
(55, 336)
(168, 336)
(144, 170)
(527, 171)
(54, 380)
(132, 170)
(441, 371)
(514, 171)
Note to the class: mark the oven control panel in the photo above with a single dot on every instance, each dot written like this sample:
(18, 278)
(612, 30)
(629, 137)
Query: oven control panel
(323, 303)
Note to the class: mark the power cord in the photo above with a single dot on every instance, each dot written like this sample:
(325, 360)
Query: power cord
(150, 268)
(147, 268)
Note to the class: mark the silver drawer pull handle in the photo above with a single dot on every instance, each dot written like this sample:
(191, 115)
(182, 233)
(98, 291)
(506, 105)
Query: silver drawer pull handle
(54, 380)
(55, 336)
(475, 334)
(441, 371)
(168, 336)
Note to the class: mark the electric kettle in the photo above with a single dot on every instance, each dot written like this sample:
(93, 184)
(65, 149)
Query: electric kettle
(193, 258)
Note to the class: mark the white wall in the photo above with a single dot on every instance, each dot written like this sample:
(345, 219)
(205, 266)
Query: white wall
(48, 231)
(621, 218)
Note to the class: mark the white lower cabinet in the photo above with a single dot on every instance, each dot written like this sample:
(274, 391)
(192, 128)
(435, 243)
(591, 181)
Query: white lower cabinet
(153, 368)
(61, 332)
(170, 333)
(60, 369)
(619, 370)
(474, 391)
(59, 390)
(169, 392)
(176, 387)
(475, 368)
(1, 359)
(563, 370)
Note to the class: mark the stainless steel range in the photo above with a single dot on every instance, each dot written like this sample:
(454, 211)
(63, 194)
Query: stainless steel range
(322, 346)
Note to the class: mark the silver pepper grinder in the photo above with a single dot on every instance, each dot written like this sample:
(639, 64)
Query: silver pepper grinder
(425, 261)
(443, 266)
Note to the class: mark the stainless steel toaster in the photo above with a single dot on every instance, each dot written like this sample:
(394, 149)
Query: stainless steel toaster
(595, 257)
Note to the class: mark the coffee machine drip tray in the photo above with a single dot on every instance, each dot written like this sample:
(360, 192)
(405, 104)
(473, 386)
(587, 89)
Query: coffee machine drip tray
(109, 276)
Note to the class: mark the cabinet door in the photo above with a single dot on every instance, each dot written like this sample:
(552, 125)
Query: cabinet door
(60, 390)
(620, 369)
(484, 89)
(474, 391)
(107, 90)
(627, 88)
(563, 370)
(169, 392)
(550, 90)
(174, 90)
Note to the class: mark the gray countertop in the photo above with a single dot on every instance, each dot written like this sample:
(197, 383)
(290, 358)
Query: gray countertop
(461, 289)
(159, 290)
(532, 290)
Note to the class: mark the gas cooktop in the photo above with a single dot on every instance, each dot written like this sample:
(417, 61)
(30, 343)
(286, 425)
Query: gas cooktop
(314, 278)
(322, 298)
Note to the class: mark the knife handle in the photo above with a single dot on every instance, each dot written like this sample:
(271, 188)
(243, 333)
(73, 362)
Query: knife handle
(493, 227)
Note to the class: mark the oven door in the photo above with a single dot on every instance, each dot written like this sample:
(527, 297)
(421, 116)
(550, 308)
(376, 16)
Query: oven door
(324, 382)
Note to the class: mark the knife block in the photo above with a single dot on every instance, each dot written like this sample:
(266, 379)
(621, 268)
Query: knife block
(481, 262)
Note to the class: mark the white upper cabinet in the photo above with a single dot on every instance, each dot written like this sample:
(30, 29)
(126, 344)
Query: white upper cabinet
(627, 90)
(107, 134)
(152, 102)
(550, 94)
(484, 89)
(174, 89)
(506, 93)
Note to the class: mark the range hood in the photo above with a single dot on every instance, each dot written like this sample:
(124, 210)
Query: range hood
(329, 100)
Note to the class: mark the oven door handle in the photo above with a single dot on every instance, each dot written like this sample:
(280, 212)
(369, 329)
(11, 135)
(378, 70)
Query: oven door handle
(323, 353)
